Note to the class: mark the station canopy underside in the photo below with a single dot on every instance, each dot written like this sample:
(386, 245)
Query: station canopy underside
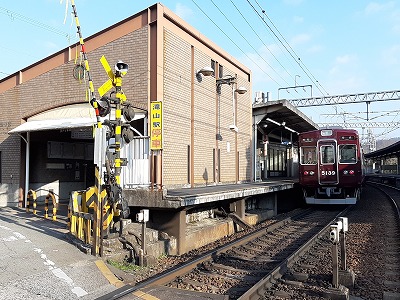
(80, 115)
(281, 117)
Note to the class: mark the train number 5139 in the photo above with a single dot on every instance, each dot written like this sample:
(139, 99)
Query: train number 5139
(327, 173)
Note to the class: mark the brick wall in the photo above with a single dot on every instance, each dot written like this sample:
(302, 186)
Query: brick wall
(244, 123)
(204, 122)
(57, 87)
(177, 119)
(176, 109)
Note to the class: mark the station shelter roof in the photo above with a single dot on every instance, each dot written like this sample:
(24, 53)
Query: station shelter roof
(80, 115)
(280, 117)
(391, 150)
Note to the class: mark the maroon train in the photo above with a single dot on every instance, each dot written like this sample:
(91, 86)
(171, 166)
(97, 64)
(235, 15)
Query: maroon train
(331, 166)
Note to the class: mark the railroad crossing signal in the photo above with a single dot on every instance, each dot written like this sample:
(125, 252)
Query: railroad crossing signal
(115, 79)
(118, 130)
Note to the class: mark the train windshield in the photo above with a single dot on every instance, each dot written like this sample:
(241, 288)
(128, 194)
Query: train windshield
(347, 154)
(308, 155)
(327, 154)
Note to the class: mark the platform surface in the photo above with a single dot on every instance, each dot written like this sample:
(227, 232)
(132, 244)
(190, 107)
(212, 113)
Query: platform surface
(211, 193)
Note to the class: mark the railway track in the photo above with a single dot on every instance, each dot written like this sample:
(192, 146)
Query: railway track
(248, 266)
(392, 244)
(373, 248)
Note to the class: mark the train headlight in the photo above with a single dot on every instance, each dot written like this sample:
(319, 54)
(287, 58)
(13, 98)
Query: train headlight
(351, 172)
(345, 172)
(311, 173)
(305, 173)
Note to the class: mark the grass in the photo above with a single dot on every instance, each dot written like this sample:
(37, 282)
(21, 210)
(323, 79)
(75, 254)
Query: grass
(124, 266)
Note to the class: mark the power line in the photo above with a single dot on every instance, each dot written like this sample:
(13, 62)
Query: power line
(291, 53)
(245, 37)
(13, 15)
(258, 36)
(263, 11)
(233, 41)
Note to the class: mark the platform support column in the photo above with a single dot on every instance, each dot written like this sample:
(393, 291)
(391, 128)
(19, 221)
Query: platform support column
(178, 229)
(275, 203)
(239, 207)
(182, 232)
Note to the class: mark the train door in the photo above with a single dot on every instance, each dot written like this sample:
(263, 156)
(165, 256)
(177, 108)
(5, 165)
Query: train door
(327, 164)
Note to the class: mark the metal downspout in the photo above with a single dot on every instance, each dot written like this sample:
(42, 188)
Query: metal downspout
(27, 160)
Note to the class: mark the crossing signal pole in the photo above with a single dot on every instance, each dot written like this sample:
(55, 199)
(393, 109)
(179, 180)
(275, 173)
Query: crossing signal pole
(119, 129)
(108, 156)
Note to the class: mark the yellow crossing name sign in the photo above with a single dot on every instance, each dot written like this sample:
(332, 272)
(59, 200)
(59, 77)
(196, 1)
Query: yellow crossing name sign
(156, 140)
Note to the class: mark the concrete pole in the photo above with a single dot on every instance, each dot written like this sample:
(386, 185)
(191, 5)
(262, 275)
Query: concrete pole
(144, 237)
(343, 251)
(335, 265)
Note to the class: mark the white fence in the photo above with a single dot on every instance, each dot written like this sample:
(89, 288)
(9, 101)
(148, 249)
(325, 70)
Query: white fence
(137, 171)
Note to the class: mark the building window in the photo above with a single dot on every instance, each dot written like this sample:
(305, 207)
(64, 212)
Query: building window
(213, 65)
(220, 71)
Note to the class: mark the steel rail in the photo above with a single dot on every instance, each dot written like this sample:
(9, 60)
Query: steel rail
(260, 287)
(394, 202)
(169, 275)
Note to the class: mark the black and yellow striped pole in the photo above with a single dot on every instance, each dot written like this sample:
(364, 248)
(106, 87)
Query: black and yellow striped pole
(96, 247)
(93, 101)
(121, 69)
(115, 80)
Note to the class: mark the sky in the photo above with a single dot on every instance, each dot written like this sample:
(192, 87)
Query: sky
(323, 47)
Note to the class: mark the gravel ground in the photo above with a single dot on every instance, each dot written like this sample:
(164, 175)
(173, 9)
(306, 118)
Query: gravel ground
(366, 242)
(371, 224)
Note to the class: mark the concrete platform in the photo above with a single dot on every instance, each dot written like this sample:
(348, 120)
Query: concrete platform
(184, 197)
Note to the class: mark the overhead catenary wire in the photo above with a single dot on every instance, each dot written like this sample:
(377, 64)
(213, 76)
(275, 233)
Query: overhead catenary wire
(287, 47)
(291, 53)
(14, 15)
(255, 63)
(260, 39)
(252, 47)
(240, 43)
(299, 61)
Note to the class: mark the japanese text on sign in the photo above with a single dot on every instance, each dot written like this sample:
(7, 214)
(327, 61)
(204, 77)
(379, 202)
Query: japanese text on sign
(156, 125)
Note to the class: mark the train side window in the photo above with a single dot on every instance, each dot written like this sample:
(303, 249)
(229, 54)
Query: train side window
(347, 154)
(327, 154)
(308, 155)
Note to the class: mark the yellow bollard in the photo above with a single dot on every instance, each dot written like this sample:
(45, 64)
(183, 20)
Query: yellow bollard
(31, 195)
(53, 198)
(46, 207)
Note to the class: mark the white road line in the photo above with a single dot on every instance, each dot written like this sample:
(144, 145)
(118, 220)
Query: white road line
(78, 291)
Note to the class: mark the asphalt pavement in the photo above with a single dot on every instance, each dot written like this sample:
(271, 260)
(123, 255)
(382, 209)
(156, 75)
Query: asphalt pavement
(38, 262)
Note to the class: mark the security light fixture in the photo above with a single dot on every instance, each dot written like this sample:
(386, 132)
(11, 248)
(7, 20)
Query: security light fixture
(206, 71)
(241, 90)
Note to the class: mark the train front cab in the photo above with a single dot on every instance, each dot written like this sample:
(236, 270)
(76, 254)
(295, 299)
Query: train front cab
(330, 167)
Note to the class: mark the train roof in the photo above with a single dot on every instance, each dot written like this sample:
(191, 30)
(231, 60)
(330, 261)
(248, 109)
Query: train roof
(337, 130)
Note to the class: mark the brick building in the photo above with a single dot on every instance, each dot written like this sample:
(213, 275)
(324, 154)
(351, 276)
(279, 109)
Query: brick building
(46, 120)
